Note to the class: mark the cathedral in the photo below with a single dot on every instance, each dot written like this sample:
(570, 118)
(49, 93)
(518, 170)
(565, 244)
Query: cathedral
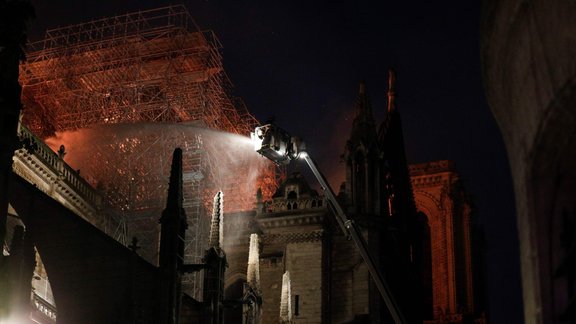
(416, 220)
(282, 259)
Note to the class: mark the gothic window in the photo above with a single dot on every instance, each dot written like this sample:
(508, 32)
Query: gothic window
(390, 194)
(359, 180)
(296, 305)
(273, 262)
(292, 195)
(422, 258)
(291, 192)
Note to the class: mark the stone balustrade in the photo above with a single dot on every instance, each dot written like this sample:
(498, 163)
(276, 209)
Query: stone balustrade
(38, 164)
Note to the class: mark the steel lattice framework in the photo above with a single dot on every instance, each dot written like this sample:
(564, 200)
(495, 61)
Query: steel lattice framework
(154, 65)
(149, 66)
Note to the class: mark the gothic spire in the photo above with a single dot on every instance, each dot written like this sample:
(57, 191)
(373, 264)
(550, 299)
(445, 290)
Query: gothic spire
(217, 225)
(363, 108)
(175, 196)
(363, 126)
(174, 212)
(286, 299)
(253, 273)
(172, 236)
(391, 90)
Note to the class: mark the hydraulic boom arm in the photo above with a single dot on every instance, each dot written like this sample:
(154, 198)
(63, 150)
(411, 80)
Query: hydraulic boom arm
(275, 144)
(349, 227)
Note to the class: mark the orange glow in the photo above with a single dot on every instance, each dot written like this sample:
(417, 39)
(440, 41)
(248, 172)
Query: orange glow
(121, 97)
(165, 71)
(130, 163)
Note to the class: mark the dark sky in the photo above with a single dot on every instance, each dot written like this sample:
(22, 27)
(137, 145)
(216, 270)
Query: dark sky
(301, 62)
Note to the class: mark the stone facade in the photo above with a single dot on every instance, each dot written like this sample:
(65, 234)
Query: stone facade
(329, 276)
(445, 214)
(416, 222)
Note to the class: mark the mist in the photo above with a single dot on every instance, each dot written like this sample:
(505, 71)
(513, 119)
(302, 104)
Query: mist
(130, 165)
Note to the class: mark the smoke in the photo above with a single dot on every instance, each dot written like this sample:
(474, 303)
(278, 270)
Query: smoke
(327, 147)
(130, 165)
(133, 160)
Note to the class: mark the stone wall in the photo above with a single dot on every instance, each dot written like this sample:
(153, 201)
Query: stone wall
(349, 282)
(440, 198)
(304, 262)
(529, 68)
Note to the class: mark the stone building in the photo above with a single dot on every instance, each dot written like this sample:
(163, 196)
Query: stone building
(308, 271)
(528, 51)
(416, 221)
(451, 277)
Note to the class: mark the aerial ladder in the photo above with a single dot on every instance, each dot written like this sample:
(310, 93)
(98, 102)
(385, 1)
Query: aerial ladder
(277, 145)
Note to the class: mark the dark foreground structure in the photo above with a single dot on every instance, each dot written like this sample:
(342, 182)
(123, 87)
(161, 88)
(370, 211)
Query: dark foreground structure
(529, 69)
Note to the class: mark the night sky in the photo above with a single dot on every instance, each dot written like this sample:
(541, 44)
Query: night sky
(301, 62)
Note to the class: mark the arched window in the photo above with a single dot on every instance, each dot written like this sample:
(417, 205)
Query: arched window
(422, 258)
(359, 181)
(292, 195)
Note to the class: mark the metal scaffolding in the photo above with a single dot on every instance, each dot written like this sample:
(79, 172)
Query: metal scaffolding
(153, 66)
